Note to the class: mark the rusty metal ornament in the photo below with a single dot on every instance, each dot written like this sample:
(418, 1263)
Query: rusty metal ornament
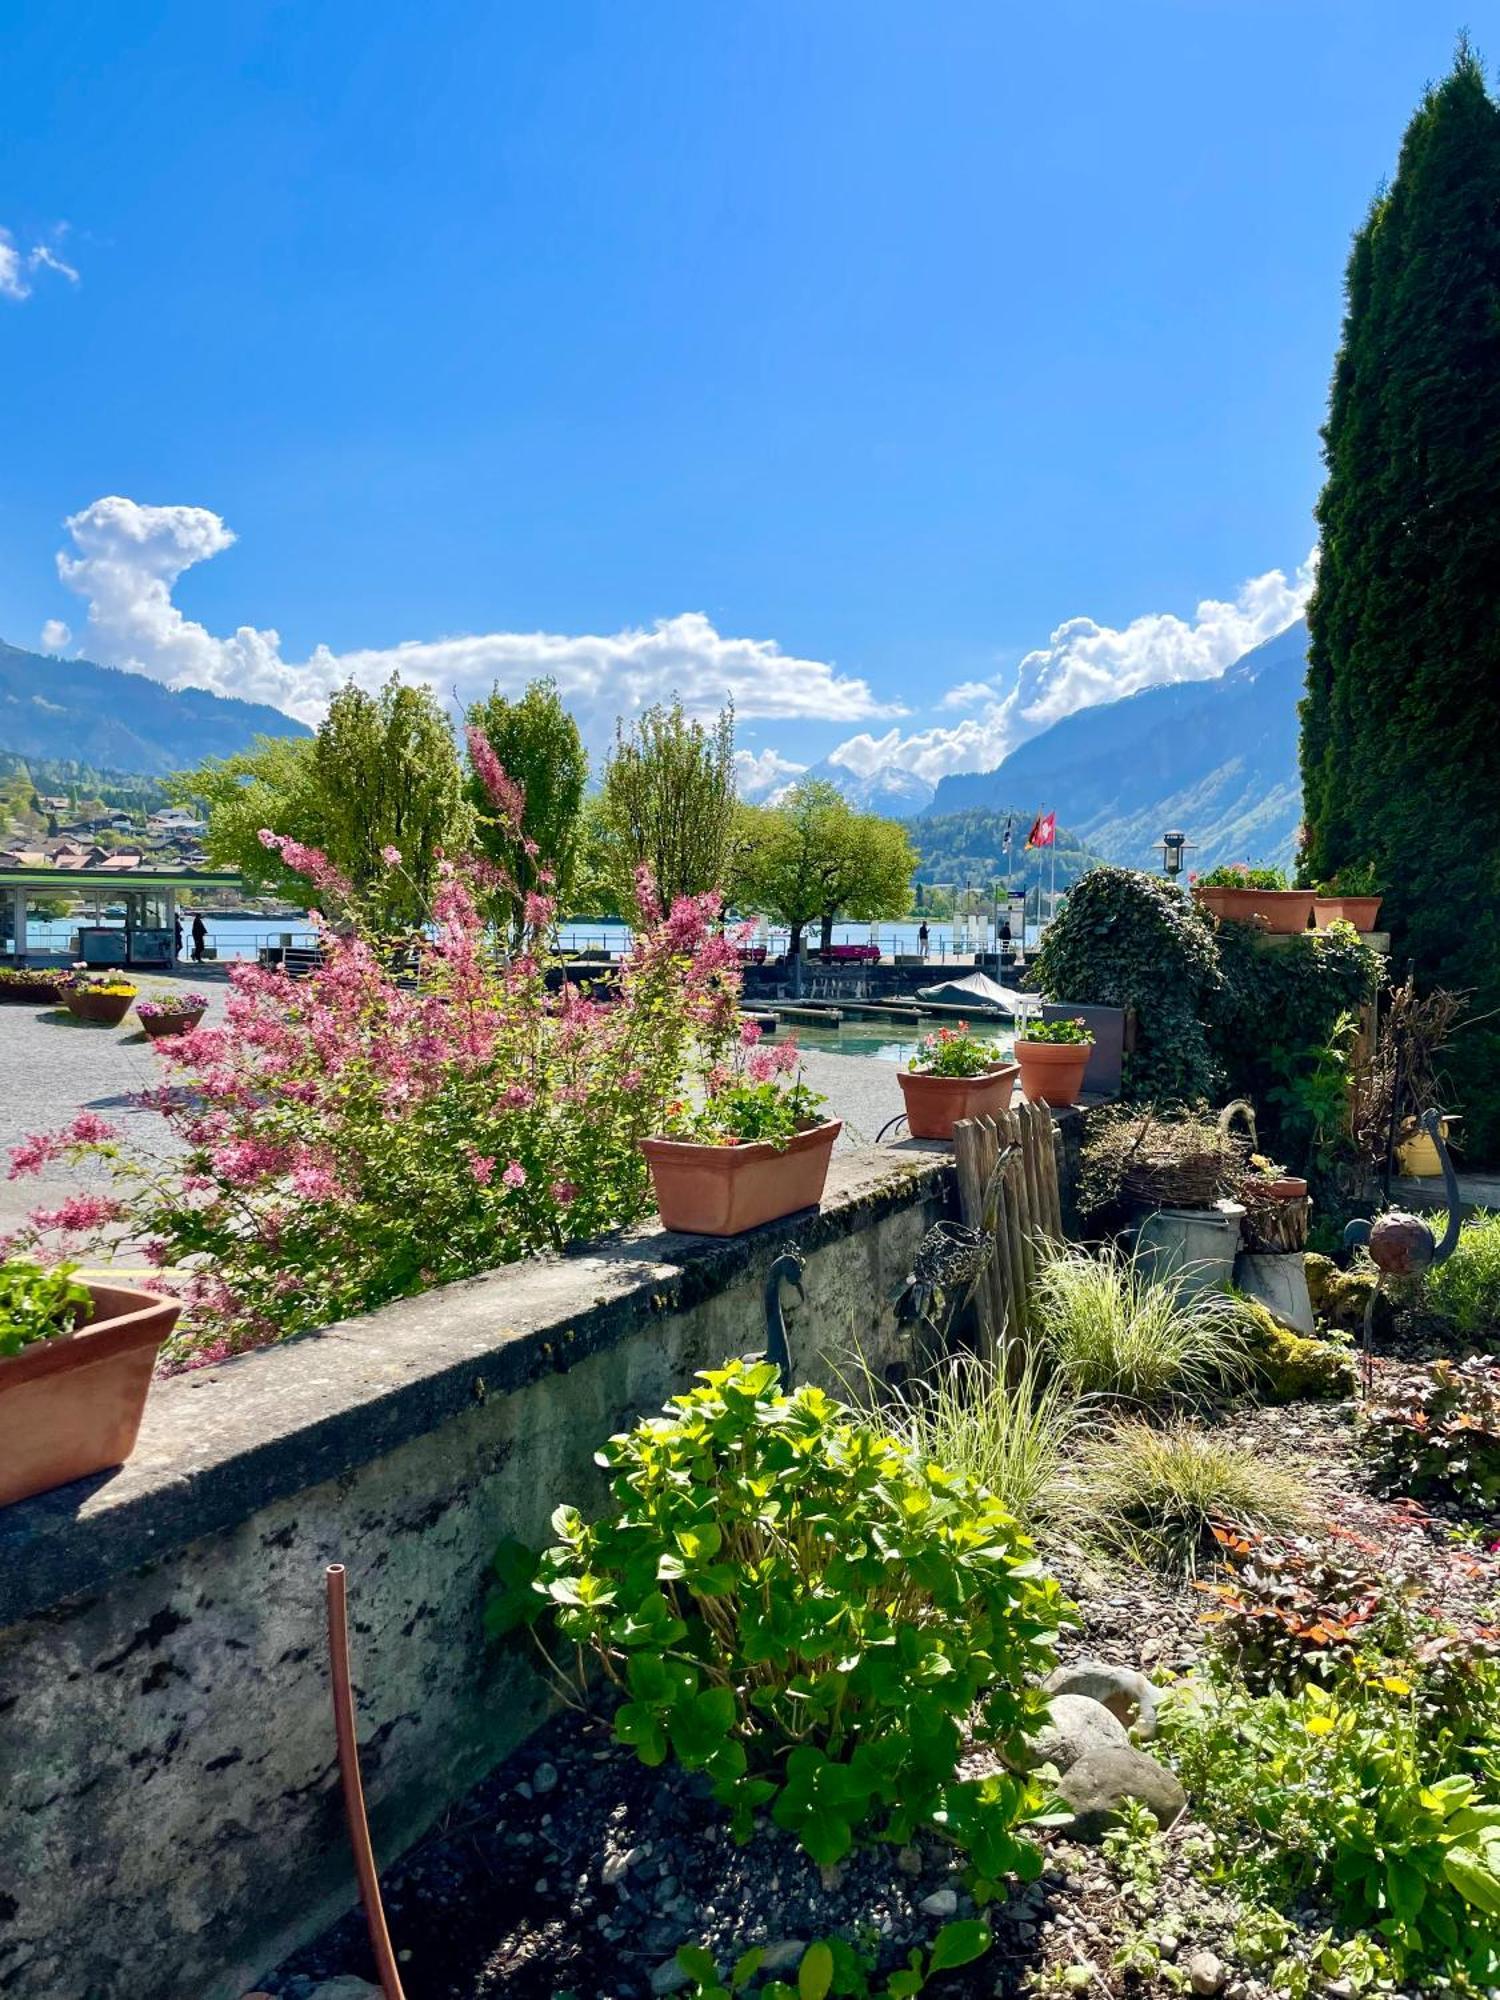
(1401, 1245)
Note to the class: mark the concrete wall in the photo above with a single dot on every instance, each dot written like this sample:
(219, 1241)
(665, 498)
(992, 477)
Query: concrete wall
(169, 1818)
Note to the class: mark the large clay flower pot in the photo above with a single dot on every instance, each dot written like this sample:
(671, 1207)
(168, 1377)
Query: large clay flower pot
(721, 1190)
(1052, 1072)
(107, 1010)
(934, 1104)
(1361, 911)
(72, 1405)
(160, 1026)
(1282, 912)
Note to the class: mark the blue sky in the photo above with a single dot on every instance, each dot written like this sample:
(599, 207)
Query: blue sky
(866, 344)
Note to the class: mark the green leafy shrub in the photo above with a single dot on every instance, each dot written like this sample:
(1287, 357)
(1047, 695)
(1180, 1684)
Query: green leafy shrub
(37, 1302)
(1110, 1327)
(833, 1966)
(788, 1601)
(1437, 1436)
(1464, 1293)
(1158, 1493)
(1292, 1368)
(1127, 939)
(1346, 1800)
(1294, 1612)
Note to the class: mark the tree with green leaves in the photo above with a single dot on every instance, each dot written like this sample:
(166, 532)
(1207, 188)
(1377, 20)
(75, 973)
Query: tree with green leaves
(668, 804)
(1401, 720)
(538, 744)
(381, 772)
(813, 858)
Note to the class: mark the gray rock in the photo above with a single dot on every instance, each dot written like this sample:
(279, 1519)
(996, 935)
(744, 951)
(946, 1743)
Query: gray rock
(544, 1778)
(941, 1903)
(909, 1860)
(669, 1977)
(1206, 1973)
(1128, 1696)
(346, 1987)
(782, 1955)
(615, 1869)
(1099, 1767)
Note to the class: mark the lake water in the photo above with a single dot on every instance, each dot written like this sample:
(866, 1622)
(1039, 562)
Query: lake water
(243, 937)
(888, 1043)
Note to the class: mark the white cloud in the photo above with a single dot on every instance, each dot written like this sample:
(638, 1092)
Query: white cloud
(1085, 663)
(17, 266)
(760, 779)
(55, 635)
(128, 556)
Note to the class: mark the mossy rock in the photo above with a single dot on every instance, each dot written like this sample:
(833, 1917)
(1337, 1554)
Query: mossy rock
(1339, 1297)
(1291, 1368)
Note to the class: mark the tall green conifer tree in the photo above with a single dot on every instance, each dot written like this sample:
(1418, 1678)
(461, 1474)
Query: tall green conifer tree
(1401, 722)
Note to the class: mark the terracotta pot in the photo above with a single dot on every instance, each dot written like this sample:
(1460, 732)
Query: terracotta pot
(1287, 1188)
(107, 1010)
(34, 993)
(721, 1190)
(73, 1405)
(1052, 1072)
(157, 1026)
(935, 1103)
(1361, 911)
(1282, 912)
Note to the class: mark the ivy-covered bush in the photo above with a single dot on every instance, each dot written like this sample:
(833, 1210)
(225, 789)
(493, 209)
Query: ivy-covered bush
(791, 1602)
(1127, 939)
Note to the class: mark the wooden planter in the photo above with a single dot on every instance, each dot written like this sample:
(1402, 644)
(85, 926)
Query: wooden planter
(722, 1190)
(72, 1405)
(105, 1010)
(160, 1026)
(1361, 911)
(1277, 1214)
(934, 1104)
(1282, 912)
(1052, 1072)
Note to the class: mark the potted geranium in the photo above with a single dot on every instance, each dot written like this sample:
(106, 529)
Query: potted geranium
(753, 1150)
(75, 1365)
(1260, 896)
(31, 986)
(166, 1013)
(101, 997)
(1053, 1056)
(1351, 897)
(954, 1075)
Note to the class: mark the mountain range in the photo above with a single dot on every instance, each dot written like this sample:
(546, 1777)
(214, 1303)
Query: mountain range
(117, 721)
(1217, 758)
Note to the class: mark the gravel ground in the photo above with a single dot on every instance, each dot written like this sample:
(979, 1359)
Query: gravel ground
(55, 1066)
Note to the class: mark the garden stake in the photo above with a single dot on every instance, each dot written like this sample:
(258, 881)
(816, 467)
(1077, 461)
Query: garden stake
(354, 1791)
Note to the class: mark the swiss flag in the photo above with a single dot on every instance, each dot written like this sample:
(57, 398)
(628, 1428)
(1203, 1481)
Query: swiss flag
(1043, 830)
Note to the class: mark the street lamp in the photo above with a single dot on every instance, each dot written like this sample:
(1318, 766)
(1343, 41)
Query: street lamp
(1173, 847)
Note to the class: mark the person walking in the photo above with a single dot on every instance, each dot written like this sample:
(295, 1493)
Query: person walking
(200, 937)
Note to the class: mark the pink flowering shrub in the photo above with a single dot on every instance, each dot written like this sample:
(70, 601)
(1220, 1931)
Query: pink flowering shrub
(371, 1130)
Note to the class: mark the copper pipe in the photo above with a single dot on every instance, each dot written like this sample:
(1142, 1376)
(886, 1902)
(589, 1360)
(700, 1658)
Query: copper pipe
(354, 1791)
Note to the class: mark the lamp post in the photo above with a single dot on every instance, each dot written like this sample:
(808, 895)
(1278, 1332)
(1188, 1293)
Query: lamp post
(1173, 846)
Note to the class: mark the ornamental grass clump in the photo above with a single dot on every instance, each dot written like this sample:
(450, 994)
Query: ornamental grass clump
(788, 1600)
(414, 1111)
(1110, 1327)
(1156, 1493)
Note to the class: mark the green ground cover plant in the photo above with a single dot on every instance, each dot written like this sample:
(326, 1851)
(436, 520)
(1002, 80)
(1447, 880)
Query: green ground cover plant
(785, 1598)
(1462, 1296)
(832, 1966)
(1437, 1435)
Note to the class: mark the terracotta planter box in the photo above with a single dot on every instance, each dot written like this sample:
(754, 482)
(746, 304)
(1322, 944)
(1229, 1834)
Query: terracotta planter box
(934, 1104)
(73, 1405)
(1361, 911)
(159, 1026)
(1287, 1188)
(107, 1010)
(34, 993)
(721, 1190)
(1282, 912)
(1052, 1072)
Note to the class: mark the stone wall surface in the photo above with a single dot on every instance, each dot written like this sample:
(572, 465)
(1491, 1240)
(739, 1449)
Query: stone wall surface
(169, 1814)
